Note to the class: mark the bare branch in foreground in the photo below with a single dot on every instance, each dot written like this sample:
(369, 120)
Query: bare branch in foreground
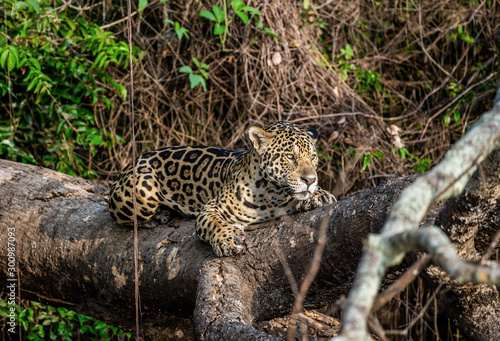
(434, 241)
(446, 180)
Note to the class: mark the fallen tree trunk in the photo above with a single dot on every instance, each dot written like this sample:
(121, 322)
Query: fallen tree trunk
(69, 251)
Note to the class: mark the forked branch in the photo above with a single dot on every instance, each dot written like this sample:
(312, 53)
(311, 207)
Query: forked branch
(400, 233)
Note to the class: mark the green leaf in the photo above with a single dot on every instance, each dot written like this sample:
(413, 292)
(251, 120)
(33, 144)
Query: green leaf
(3, 57)
(219, 14)
(34, 4)
(121, 89)
(13, 59)
(96, 140)
(250, 9)
(366, 161)
(68, 132)
(348, 53)
(378, 155)
(195, 80)
(70, 23)
(182, 32)
(447, 120)
(219, 29)
(243, 17)
(270, 32)
(196, 62)
(60, 126)
(107, 101)
(102, 62)
(207, 15)
(237, 5)
(20, 5)
(35, 63)
(168, 21)
(186, 69)
(97, 60)
(142, 4)
(404, 152)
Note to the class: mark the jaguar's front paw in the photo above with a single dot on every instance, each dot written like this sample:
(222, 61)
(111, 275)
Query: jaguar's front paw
(318, 199)
(161, 217)
(228, 243)
(150, 224)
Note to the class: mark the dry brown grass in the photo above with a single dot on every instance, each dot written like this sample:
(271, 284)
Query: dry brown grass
(406, 42)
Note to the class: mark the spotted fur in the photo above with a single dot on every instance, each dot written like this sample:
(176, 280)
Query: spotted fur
(226, 190)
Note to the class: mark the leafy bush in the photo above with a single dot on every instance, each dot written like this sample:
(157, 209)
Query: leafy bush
(223, 20)
(54, 71)
(48, 323)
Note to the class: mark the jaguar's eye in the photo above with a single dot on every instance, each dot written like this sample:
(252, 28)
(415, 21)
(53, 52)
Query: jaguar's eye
(314, 157)
(290, 157)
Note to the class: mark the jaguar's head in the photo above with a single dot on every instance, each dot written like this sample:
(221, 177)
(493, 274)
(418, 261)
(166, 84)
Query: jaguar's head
(288, 156)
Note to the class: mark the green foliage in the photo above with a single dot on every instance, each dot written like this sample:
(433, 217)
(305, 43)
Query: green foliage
(49, 323)
(367, 158)
(179, 30)
(143, 4)
(456, 117)
(343, 65)
(54, 72)
(420, 165)
(462, 35)
(195, 78)
(453, 89)
(217, 15)
(347, 52)
(368, 81)
(222, 20)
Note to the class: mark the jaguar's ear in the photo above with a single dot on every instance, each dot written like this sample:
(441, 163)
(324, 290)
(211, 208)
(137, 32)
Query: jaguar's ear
(258, 136)
(314, 134)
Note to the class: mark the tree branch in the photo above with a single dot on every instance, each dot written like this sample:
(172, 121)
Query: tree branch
(445, 180)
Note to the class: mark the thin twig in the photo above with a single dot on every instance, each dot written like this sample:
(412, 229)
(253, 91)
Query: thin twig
(409, 276)
(489, 251)
(309, 278)
(134, 175)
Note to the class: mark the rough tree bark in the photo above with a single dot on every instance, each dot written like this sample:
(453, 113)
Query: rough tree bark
(69, 251)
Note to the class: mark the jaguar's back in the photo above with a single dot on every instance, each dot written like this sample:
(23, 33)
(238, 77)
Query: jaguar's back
(182, 178)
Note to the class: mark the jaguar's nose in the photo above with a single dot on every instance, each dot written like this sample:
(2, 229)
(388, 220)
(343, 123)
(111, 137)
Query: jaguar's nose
(309, 180)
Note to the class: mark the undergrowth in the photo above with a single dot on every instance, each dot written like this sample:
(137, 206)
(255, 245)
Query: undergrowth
(38, 322)
(56, 85)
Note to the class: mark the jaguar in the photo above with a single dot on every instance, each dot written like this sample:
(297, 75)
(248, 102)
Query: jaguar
(227, 191)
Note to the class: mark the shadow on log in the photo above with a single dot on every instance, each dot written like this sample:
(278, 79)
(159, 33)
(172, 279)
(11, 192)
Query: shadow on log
(70, 252)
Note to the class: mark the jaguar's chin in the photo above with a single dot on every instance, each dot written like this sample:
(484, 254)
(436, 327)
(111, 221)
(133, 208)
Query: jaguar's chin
(301, 195)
